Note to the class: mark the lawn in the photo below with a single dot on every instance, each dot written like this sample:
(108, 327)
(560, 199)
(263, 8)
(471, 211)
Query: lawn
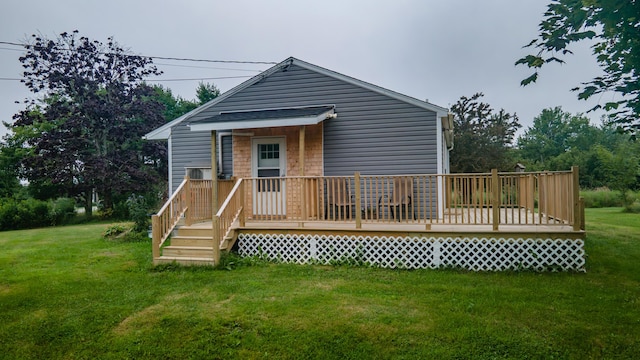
(65, 293)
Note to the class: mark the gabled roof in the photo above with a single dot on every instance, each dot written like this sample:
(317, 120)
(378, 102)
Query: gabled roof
(163, 132)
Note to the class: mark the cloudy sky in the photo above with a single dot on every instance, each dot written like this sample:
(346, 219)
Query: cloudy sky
(429, 49)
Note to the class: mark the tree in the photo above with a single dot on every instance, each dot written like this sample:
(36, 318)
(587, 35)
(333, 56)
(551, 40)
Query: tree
(625, 170)
(483, 138)
(84, 130)
(613, 25)
(558, 140)
(206, 92)
(9, 166)
(174, 106)
(555, 132)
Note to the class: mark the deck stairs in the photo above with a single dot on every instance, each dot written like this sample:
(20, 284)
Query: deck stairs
(193, 245)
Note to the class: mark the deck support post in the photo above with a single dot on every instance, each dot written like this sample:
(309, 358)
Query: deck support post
(214, 199)
(155, 236)
(356, 179)
(576, 198)
(188, 216)
(582, 225)
(495, 198)
(303, 200)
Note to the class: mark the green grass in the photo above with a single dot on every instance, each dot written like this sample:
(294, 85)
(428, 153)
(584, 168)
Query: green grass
(65, 293)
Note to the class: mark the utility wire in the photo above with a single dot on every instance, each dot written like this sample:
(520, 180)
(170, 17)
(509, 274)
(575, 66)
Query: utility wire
(204, 67)
(167, 57)
(10, 49)
(196, 79)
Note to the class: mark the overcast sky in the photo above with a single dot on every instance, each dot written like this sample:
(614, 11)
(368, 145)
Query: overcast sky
(438, 50)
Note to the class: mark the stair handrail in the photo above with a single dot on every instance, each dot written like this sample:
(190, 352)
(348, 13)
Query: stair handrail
(163, 223)
(231, 210)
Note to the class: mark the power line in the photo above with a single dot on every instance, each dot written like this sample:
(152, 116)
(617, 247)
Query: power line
(205, 67)
(200, 79)
(4, 48)
(162, 80)
(167, 57)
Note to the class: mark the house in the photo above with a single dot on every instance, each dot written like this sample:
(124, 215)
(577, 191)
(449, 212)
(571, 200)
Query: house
(300, 150)
(349, 125)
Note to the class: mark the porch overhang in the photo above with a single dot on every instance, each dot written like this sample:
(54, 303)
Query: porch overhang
(252, 119)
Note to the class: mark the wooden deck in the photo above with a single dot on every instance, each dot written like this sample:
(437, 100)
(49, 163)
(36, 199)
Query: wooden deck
(501, 208)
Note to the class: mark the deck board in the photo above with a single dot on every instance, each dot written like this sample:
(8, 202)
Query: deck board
(513, 220)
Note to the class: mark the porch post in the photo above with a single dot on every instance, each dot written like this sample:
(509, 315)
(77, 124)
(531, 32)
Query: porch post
(214, 199)
(301, 150)
(576, 198)
(303, 200)
(358, 211)
(156, 233)
(188, 217)
(495, 198)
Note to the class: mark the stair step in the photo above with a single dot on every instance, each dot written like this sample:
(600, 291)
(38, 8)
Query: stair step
(187, 251)
(180, 240)
(194, 231)
(183, 260)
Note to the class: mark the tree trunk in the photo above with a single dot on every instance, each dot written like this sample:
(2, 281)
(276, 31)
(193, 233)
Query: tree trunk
(107, 202)
(88, 203)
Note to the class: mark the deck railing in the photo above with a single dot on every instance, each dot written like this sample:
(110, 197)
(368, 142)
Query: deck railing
(191, 201)
(533, 198)
(230, 211)
(168, 217)
(496, 199)
(200, 198)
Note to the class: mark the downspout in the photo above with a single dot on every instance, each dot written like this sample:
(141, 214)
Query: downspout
(170, 165)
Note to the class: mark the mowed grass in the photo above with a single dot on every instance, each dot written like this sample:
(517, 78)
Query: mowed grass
(65, 293)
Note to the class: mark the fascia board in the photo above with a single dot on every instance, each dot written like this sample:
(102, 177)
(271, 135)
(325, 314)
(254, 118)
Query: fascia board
(256, 124)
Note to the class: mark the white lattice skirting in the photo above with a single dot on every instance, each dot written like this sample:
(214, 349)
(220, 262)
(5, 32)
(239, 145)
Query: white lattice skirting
(477, 254)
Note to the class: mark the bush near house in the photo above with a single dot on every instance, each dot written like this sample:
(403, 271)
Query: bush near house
(31, 213)
(603, 197)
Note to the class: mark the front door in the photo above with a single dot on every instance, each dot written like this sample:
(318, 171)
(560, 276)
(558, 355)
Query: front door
(269, 167)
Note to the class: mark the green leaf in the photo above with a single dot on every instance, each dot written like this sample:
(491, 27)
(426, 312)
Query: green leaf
(611, 106)
(530, 79)
(587, 92)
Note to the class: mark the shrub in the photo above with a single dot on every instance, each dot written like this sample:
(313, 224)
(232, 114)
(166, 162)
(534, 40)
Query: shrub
(62, 210)
(113, 231)
(8, 214)
(633, 207)
(29, 213)
(23, 214)
(138, 212)
(601, 198)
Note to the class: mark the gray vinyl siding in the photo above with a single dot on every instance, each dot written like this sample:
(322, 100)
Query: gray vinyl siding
(227, 156)
(373, 133)
(193, 149)
(189, 149)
